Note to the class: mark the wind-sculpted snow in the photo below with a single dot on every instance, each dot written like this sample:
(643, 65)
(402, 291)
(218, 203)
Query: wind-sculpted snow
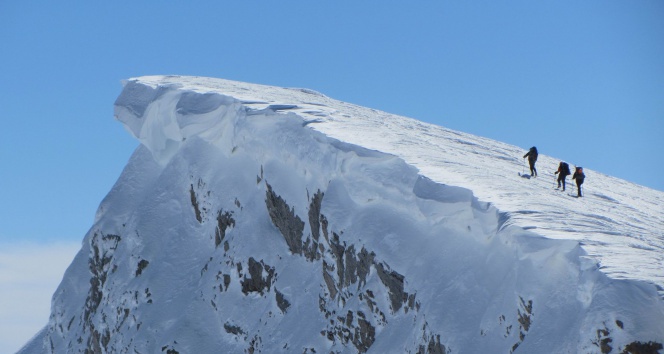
(620, 224)
(260, 219)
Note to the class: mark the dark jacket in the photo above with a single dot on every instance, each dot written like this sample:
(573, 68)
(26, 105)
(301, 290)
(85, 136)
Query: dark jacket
(531, 154)
(579, 176)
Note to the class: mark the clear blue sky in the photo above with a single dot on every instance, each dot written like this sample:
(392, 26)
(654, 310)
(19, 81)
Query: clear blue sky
(581, 80)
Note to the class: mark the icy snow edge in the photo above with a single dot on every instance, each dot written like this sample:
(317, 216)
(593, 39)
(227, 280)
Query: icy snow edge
(618, 223)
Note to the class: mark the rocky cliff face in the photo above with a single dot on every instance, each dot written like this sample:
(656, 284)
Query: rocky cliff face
(237, 228)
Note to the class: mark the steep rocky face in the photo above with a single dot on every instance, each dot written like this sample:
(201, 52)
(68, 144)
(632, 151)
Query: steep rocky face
(345, 279)
(260, 235)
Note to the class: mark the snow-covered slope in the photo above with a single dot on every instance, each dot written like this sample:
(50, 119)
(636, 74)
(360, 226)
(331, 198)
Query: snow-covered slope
(263, 219)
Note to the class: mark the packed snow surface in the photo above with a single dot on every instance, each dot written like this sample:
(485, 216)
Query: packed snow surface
(263, 219)
(620, 224)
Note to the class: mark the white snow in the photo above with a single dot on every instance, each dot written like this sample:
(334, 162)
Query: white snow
(619, 223)
(489, 261)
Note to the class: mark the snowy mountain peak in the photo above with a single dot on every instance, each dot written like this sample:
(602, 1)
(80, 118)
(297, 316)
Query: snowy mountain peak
(620, 224)
(263, 219)
(202, 107)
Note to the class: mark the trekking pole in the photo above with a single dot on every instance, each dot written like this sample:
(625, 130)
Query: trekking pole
(524, 167)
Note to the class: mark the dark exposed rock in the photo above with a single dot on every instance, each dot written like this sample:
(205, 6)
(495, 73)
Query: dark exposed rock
(148, 295)
(194, 203)
(324, 223)
(352, 328)
(259, 178)
(314, 215)
(105, 339)
(350, 267)
(141, 265)
(394, 283)
(330, 283)
(433, 347)
(364, 261)
(643, 348)
(257, 283)
(254, 345)
(524, 316)
(282, 303)
(227, 281)
(411, 302)
(236, 330)
(338, 250)
(284, 218)
(102, 248)
(313, 248)
(603, 341)
(94, 345)
(365, 333)
(310, 250)
(224, 221)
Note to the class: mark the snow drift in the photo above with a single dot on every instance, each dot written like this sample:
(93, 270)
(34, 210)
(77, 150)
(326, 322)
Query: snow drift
(262, 219)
